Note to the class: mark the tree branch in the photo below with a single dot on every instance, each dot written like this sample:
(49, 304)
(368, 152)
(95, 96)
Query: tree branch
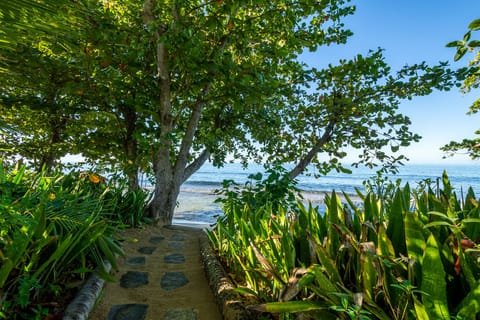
(196, 164)
(303, 163)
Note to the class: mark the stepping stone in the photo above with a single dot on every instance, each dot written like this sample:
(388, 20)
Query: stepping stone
(147, 250)
(135, 261)
(174, 258)
(128, 312)
(173, 280)
(178, 245)
(180, 314)
(177, 237)
(156, 240)
(134, 279)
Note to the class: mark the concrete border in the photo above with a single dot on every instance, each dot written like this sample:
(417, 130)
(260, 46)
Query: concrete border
(84, 301)
(228, 300)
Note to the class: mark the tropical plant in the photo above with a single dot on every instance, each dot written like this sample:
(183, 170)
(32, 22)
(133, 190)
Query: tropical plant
(412, 256)
(53, 231)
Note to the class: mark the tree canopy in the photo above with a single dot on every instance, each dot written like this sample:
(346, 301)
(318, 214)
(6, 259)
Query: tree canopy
(472, 81)
(163, 87)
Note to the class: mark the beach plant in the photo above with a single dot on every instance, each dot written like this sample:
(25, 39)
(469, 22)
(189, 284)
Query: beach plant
(53, 233)
(411, 255)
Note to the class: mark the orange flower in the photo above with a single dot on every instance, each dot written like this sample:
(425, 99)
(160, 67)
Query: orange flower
(94, 178)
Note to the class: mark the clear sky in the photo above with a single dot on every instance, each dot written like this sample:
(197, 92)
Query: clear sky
(412, 31)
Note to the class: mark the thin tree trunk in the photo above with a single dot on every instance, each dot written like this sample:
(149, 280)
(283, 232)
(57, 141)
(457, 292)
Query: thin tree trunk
(130, 146)
(57, 127)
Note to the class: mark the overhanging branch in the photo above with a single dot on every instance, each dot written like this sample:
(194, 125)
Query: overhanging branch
(303, 163)
(196, 164)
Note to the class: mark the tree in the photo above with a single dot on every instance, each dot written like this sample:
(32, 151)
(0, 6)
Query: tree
(472, 81)
(223, 69)
(229, 81)
(41, 99)
(199, 80)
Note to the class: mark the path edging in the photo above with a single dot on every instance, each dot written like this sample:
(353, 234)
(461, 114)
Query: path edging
(84, 301)
(228, 300)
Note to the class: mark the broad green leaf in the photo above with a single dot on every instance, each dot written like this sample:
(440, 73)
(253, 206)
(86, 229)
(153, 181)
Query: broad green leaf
(474, 43)
(396, 225)
(474, 25)
(420, 312)
(289, 307)
(455, 44)
(434, 286)
(469, 308)
(414, 237)
(460, 53)
(385, 247)
(369, 274)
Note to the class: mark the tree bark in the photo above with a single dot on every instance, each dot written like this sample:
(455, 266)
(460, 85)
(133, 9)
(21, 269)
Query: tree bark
(130, 146)
(57, 125)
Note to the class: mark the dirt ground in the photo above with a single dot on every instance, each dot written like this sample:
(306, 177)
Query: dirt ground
(195, 295)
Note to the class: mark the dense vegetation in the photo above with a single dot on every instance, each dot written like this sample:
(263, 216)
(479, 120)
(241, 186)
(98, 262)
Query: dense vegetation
(160, 87)
(55, 230)
(396, 253)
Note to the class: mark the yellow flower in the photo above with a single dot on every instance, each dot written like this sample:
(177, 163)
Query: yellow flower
(51, 196)
(94, 178)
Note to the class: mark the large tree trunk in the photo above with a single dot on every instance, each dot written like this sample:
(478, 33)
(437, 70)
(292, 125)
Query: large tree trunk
(171, 171)
(165, 200)
(167, 188)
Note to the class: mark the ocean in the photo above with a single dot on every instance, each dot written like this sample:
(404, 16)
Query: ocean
(196, 201)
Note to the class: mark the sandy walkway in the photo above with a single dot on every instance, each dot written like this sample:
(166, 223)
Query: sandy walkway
(176, 252)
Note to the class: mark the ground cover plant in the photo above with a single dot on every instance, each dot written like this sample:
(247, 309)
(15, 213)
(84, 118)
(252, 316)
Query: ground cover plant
(55, 230)
(396, 254)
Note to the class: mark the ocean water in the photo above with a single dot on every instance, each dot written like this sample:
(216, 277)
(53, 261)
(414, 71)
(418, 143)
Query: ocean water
(196, 201)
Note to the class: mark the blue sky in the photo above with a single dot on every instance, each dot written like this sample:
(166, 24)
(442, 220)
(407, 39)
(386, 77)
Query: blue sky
(412, 32)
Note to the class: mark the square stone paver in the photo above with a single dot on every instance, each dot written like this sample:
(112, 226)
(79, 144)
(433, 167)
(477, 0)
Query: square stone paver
(134, 279)
(128, 312)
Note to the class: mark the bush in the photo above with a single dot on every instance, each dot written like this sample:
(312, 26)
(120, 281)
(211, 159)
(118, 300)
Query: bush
(412, 255)
(53, 231)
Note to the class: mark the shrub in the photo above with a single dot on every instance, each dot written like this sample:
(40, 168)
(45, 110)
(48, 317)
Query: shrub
(411, 255)
(52, 231)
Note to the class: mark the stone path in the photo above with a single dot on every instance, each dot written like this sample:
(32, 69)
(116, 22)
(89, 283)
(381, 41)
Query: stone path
(160, 278)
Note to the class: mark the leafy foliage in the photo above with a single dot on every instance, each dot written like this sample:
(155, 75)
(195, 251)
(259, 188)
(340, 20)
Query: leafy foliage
(160, 88)
(472, 81)
(54, 231)
(410, 256)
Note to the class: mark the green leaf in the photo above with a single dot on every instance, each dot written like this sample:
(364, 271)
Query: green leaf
(434, 286)
(474, 43)
(415, 241)
(420, 311)
(474, 25)
(470, 305)
(460, 53)
(456, 43)
(289, 307)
